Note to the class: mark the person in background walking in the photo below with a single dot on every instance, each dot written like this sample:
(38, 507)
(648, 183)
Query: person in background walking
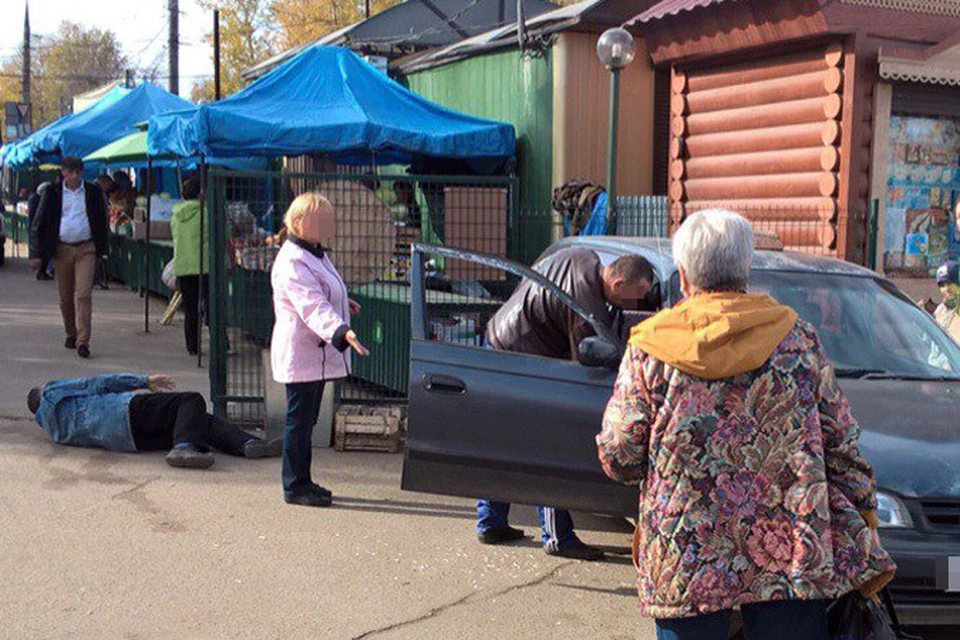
(185, 228)
(753, 492)
(33, 204)
(311, 336)
(947, 312)
(122, 197)
(71, 228)
(105, 182)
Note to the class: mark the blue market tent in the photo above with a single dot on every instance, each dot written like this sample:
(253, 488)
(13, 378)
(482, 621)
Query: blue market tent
(328, 100)
(27, 150)
(93, 128)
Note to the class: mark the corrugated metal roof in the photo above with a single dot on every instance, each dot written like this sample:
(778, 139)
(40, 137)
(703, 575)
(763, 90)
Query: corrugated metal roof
(672, 8)
(418, 25)
(597, 13)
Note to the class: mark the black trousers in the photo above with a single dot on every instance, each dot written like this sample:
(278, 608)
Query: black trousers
(190, 289)
(158, 421)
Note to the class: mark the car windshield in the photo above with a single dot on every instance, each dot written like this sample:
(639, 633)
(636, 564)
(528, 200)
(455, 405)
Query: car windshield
(866, 327)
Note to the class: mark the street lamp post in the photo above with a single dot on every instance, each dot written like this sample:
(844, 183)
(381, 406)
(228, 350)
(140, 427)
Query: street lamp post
(615, 50)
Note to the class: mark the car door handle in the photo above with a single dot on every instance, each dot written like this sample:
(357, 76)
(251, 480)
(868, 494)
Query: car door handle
(444, 384)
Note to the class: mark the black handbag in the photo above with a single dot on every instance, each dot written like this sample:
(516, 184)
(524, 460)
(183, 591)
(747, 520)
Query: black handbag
(853, 617)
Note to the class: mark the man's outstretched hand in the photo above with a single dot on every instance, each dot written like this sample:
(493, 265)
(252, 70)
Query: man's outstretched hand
(160, 382)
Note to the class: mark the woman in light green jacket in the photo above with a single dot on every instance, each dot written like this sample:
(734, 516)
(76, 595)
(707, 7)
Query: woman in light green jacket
(185, 228)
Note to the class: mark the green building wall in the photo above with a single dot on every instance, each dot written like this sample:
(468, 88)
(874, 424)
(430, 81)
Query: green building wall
(510, 87)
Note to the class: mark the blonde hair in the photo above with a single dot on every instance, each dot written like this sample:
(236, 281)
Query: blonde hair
(303, 205)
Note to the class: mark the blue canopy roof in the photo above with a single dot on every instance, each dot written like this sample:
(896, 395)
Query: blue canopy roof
(328, 100)
(24, 151)
(97, 126)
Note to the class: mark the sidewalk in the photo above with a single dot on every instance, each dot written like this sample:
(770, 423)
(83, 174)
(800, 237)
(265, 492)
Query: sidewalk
(102, 545)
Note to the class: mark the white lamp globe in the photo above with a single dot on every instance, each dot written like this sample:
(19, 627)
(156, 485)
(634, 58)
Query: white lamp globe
(615, 48)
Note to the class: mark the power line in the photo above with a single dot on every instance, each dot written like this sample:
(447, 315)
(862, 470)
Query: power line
(95, 78)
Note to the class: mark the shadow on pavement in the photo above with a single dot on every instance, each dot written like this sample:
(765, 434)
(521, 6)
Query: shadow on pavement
(428, 509)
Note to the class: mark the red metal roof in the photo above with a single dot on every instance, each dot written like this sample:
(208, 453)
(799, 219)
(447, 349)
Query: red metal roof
(672, 8)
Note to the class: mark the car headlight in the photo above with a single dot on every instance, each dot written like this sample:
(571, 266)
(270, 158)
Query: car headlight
(892, 512)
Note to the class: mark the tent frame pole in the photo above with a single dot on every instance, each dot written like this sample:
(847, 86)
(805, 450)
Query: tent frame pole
(146, 252)
(200, 298)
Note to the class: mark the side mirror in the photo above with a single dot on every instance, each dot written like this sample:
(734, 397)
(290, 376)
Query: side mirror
(594, 351)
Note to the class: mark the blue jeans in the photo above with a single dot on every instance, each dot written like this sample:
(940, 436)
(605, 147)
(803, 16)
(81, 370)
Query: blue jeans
(782, 620)
(303, 410)
(556, 525)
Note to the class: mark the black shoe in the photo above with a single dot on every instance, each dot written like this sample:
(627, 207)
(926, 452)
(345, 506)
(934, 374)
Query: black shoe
(42, 275)
(70, 343)
(322, 490)
(257, 448)
(499, 535)
(308, 499)
(83, 351)
(191, 352)
(188, 456)
(577, 550)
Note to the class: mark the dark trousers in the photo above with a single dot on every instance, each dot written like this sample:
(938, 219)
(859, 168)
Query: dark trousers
(783, 620)
(303, 411)
(158, 421)
(190, 290)
(556, 525)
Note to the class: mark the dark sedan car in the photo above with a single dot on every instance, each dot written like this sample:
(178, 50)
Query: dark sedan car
(521, 428)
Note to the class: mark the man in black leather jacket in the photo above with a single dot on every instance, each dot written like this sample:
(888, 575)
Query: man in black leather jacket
(534, 321)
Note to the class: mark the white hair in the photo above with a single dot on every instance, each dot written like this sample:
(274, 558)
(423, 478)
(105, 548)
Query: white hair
(714, 247)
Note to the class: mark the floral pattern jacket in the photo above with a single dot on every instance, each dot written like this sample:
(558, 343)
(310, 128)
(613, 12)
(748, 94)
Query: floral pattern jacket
(752, 488)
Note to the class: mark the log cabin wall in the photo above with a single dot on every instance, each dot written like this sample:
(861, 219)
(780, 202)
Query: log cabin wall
(766, 138)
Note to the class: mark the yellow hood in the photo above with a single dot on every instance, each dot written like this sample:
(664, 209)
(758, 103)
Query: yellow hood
(716, 335)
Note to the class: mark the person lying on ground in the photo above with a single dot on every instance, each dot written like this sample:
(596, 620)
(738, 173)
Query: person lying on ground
(106, 411)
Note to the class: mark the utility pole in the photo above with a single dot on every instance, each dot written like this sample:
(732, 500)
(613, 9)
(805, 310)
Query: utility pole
(216, 54)
(367, 4)
(173, 47)
(25, 72)
(521, 26)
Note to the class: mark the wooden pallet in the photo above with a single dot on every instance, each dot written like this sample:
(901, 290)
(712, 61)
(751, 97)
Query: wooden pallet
(359, 428)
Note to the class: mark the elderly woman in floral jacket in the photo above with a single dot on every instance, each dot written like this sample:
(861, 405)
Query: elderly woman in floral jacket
(753, 492)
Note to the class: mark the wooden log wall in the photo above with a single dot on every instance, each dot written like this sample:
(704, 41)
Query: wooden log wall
(763, 138)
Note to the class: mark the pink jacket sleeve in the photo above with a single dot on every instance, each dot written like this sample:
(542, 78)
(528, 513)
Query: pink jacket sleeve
(309, 300)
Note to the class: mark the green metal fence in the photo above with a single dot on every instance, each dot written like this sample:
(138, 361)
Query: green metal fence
(378, 217)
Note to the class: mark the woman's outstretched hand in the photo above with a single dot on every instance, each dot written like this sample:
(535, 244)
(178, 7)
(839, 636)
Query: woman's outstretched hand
(355, 343)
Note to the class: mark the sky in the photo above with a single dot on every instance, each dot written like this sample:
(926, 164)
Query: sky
(140, 25)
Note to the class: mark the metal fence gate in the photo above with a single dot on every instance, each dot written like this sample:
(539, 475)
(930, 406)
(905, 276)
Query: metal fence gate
(378, 217)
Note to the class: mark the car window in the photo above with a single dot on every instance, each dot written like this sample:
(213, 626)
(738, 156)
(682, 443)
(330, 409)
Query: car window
(864, 323)
(463, 295)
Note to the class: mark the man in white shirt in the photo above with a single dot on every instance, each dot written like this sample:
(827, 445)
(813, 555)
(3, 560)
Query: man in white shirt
(71, 228)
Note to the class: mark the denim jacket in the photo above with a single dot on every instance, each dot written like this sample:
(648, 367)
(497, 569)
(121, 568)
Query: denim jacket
(90, 412)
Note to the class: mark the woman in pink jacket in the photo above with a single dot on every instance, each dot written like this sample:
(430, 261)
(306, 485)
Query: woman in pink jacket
(311, 336)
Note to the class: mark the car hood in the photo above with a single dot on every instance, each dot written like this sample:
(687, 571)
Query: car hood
(910, 434)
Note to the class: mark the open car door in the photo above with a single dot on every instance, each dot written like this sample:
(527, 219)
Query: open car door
(506, 426)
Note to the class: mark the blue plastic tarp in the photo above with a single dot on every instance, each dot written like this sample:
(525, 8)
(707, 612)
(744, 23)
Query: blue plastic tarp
(597, 222)
(94, 127)
(24, 151)
(328, 100)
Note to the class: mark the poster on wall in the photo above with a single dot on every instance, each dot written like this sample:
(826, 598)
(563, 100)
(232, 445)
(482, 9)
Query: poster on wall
(923, 185)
